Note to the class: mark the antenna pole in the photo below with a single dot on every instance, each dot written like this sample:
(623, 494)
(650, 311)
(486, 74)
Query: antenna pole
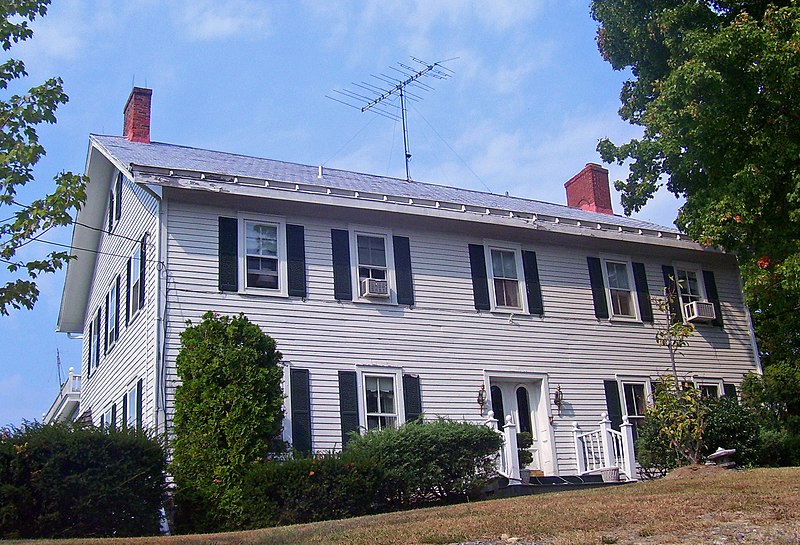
(58, 365)
(405, 133)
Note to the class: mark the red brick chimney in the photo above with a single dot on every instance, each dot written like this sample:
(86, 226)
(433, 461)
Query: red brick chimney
(588, 190)
(137, 115)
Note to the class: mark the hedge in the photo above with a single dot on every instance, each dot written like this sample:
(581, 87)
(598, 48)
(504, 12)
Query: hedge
(75, 480)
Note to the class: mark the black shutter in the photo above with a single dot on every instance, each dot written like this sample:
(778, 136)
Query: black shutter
(113, 423)
(729, 389)
(139, 389)
(91, 349)
(124, 411)
(671, 283)
(118, 204)
(111, 211)
(228, 254)
(142, 269)
(348, 404)
(128, 295)
(613, 403)
(296, 260)
(97, 346)
(340, 248)
(532, 285)
(412, 398)
(105, 336)
(642, 292)
(301, 410)
(480, 282)
(598, 288)
(116, 314)
(402, 271)
(713, 297)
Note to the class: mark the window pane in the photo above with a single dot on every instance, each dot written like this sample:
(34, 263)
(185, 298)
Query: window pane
(386, 395)
(504, 264)
(371, 251)
(617, 275)
(688, 286)
(524, 408)
(261, 239)
(621, 303)
(506, 293)
(371, 387)
(709, 390)
(635, 401)
(497, 406)
(262, 272)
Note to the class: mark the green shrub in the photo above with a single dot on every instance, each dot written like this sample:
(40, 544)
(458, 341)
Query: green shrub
(74, 480)
(429, 461)
(228, 415)
(524, 443)
(731, 426)
(331, 486)
(779, 447)
(654, 453)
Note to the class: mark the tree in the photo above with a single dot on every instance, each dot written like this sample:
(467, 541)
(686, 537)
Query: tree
(20, 150)
(716, 88)
(228, 415)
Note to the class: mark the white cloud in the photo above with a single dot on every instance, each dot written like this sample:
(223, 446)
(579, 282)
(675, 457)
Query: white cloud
(216, 19)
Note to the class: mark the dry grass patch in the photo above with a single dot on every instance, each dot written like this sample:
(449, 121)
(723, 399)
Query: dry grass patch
(694, 506)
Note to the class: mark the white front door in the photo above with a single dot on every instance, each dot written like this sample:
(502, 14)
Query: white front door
(523, 400)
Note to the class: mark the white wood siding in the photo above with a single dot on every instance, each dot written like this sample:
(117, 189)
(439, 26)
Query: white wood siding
(443, 339)
(133, 356)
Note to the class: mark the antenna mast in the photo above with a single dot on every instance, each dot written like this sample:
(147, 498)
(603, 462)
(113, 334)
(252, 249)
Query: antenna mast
(377, 97)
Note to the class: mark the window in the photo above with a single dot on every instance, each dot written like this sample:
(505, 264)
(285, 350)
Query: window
(372, 265)
(131, 406)
(264, 257)
(115, 201)
(506, 278)
(634, 398)
(619, 288)
(688, 286)
(710, 391)
(94, 342)
(112, 311)
(108, 418)
(135, 284)
(380, 401)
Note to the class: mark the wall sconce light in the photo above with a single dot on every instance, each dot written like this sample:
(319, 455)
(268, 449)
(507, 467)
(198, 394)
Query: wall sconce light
(482, 397)
(558, 398)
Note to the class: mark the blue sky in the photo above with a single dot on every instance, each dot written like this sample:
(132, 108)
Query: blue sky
(529, 98)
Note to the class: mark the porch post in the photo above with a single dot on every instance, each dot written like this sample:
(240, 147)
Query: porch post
(491, 421)
(607, 440)
(579, 453)
(512, 460)
(628, 454)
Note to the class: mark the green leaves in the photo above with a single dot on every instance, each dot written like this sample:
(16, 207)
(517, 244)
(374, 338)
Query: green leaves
(20, 150)
(716, 88)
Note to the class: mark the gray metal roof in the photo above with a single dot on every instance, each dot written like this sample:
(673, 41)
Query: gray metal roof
(169, 156)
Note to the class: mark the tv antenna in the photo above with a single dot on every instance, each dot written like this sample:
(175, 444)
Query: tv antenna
(374, 96)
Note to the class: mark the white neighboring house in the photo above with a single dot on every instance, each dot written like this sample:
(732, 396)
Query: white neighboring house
(389, 299)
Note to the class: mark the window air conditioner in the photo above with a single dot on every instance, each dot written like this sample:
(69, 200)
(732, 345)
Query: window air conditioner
(371, 287)
(699, 311)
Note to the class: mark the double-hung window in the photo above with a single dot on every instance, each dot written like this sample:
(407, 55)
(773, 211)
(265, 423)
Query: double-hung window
(619, 282)
(373, 280)
(264, 256)
(113, 313)
(634, 396)
(108, 418)
(135, 281)
(380, 401)
(688, 286)
(131, 405)
(94, 342)
(505, 277)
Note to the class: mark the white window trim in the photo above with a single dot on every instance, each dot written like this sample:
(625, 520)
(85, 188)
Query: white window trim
(135, 264)
(106, 422)
(283, 268)
(701, 284)
(488, 246)
(113, 319)
(131, 407)
(710, 381)
(622, 380)
(604, 259)
(354, 231)
(397, 376)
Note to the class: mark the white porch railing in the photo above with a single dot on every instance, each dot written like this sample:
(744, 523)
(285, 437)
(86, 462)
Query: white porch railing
(507, 457)
(606, 448)
(67, 401)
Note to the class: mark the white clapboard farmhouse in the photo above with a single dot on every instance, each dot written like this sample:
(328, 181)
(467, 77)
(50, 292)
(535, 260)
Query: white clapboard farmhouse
(389, 299)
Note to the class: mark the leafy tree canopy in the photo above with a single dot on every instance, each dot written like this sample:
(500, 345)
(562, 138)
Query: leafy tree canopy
(716, 88)
(20, 150)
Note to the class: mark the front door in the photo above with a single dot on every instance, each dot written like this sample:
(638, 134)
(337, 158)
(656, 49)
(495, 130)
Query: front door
(523, 400)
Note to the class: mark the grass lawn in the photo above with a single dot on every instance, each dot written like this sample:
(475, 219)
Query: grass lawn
(691, 506)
